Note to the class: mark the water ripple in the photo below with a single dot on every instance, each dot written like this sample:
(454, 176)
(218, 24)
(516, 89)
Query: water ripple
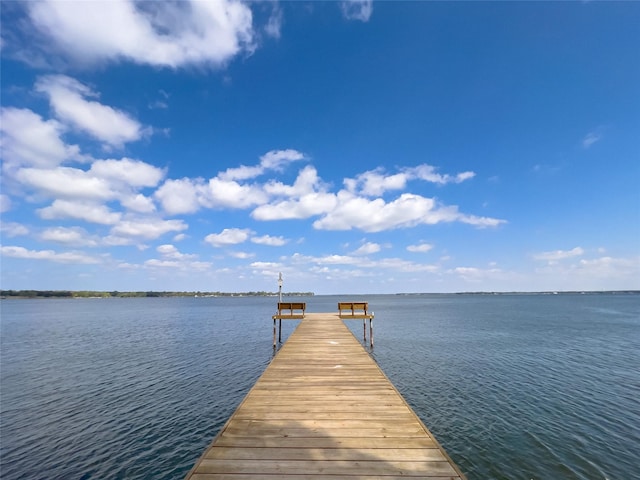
(520, 387)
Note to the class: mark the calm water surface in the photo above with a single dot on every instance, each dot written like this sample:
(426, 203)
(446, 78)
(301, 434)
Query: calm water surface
(514, 387)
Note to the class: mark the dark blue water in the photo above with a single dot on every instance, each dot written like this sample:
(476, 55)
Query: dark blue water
(514, 387)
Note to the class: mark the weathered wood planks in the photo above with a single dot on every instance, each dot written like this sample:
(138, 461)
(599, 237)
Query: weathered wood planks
(323, 409)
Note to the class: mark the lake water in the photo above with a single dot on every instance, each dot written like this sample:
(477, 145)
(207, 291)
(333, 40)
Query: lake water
(513, 386)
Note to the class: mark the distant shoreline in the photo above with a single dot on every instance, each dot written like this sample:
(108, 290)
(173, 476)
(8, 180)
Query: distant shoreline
(31, 294)
(27, 294)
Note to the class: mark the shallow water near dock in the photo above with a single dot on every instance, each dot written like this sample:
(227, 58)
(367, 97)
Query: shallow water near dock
(512, 386)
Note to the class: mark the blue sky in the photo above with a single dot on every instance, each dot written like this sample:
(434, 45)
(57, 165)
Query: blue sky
(355, 147)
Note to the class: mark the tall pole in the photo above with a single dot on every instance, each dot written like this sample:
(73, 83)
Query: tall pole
(280, 300)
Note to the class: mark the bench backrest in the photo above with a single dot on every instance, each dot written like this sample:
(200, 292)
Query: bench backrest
(291, 306)
(353, 307)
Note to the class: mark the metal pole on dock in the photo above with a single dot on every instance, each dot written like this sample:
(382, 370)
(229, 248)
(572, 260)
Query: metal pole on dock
(280, 300)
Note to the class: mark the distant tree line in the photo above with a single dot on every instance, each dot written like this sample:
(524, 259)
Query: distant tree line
(115, 293)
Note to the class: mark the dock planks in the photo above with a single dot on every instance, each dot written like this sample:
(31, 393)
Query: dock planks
(323, 409)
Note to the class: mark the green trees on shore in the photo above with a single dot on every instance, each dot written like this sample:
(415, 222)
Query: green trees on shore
(115, 293)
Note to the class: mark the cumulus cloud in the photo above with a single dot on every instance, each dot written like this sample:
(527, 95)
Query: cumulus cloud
(126, 171)
(138, 203)
(303, 207)
(477, 275)
(189, 195)
(557, 255)
(5, 203)
(376, 182)
(85, 211)
(367, 249)
(65, 182)
(173, 259)
(147, 228)
(180, 196)
(13, 229)
(228, 236)
(269, 240)
(357, 9)
(166, 34)
(64, 257)
(420, 248)
(429, 174)
(272, 160)
(170, 251)
(29, 140)
(71, 236)
(71, 103)
(377, 215)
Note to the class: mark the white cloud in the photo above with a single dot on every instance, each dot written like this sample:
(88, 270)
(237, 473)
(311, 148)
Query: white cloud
(181, 264)
(420, 248)
(590, 139)
(274, 24)
(147, 228)
(5, 203)
(189, 195)
(428, 173)
(477, 275)
(606, 272)
(357, 9)
(277, 159)
(180, 196)
(241, 255)
(306, 182)
(138, 203)
(230, 194)
(556, 255)
(13, 229)
(377, 215)
(66, 257)
(269, 240)
(303, 207)
(376, 182)
(167, 34)
(72, 236)
(88, 212)
(28, 140)
(170, 251)
(228, 236)
(68, 98)
(367, 249)
(272, 160)
(127, 171)
(65, 182)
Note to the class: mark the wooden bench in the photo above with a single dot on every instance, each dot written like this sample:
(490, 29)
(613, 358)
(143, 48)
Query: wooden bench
(357, 310)
(354, 310)
(287, 311)
(296, 310)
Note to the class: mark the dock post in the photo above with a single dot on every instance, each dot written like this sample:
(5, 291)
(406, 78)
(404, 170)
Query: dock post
(280, 331)
(274, 333)
(364, 329)
(371, 331)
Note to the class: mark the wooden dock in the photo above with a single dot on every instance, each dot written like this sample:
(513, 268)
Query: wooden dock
(323, 409)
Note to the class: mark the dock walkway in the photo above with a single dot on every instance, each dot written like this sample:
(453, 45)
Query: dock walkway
(323, 409)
